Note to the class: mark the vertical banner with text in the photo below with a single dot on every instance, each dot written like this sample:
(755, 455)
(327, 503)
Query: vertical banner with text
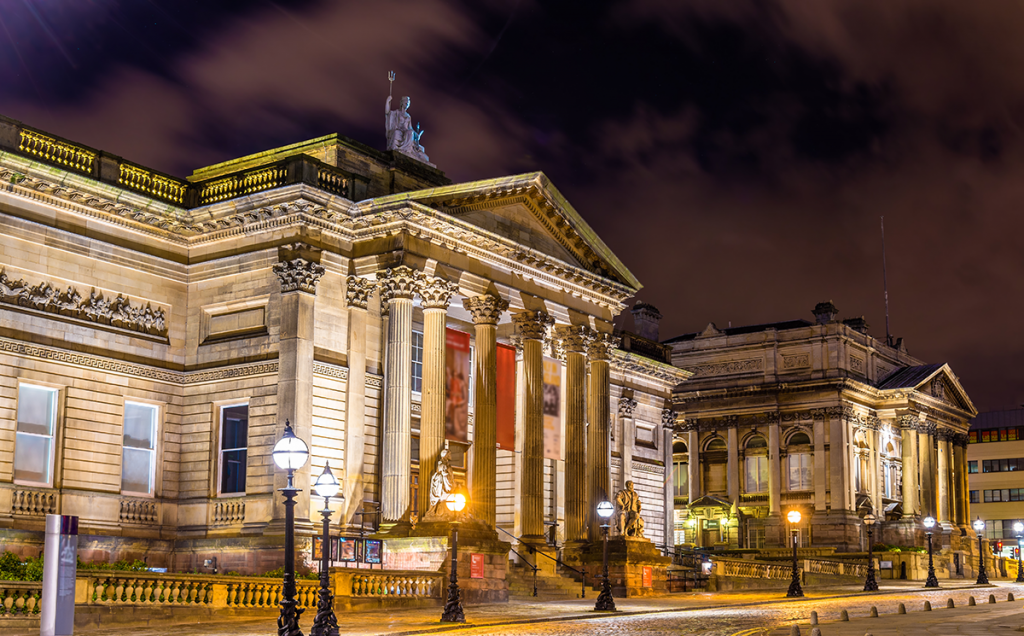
(506, 416)
(552, 409)
(456, 384)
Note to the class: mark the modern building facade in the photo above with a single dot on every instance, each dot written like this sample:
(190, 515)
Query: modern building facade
(156, 333)
(995, 467)
(823, 418)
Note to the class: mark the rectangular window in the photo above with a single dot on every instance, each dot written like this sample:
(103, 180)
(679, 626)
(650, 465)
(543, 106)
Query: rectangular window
(417, 361)
(974, 496)
(757, 474)
(986, 436)
(972, 437)
(680, 479)
(755, 537)
(234, 443)
(33, 441)
(138, 455)
(986, 466)
(972, 467)
(800, 471)
(1012, 434)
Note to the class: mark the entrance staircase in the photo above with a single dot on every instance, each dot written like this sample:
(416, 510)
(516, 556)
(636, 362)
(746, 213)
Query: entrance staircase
(560, 587)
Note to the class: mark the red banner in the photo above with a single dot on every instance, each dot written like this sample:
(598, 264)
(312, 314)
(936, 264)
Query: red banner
(476, 566)
(506, 423)
(456, 395)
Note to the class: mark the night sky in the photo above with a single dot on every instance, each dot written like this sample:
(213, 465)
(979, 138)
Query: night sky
(736, 155)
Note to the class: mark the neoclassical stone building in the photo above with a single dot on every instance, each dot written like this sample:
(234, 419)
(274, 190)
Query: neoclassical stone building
(156, 333)
(821, 417)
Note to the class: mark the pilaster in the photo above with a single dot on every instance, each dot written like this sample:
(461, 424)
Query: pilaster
(357, 294)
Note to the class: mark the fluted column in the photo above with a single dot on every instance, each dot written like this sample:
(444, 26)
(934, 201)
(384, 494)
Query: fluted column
(732, 467)
(927, 457)
(574, 341)
(820, 474)
(774, 469)
(357, 294)
(486, 311)
(435, 295)
(627, 406)
(598, 474)
(693, 463)
(955, 505)
(532, 327)
(942, 476)
(908, 435)
(964, 495)
(398, 286)
(668, 426)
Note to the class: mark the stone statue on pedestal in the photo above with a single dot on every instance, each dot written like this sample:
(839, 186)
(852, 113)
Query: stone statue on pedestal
(629, 522)
(441, 481)
(400, 133)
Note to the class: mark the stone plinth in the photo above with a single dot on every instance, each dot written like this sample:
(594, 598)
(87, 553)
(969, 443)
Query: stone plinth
(627, 558)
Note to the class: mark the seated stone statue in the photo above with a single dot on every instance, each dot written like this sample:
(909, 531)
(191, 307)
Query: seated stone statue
(441, 481)
(629, 522)
(400, 133)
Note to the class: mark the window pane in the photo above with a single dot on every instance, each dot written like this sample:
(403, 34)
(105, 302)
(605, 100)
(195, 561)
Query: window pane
(417, 361)
(972, 467)
(32, 458)
(1003, 466)
(137, 470)
(235, 428)
(139, 425)
(233, 471)
(36, 409)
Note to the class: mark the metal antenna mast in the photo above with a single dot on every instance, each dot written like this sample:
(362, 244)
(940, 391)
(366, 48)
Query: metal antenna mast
(885, 288)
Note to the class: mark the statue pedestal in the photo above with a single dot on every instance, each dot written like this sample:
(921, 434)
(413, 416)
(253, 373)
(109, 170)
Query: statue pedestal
(635, 566)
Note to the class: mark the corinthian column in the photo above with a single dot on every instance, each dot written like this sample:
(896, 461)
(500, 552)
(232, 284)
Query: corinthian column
(398, 286)
(357, 294)
(574, 340)
(532, 327)
(908, 439)
(942, 475)
(486, 311)
(435, 294)
(598, 474)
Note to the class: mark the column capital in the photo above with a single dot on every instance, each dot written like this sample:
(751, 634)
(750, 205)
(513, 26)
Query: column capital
(627, 406)
(574, 338)
(436, 292)
(298, 274)
(358, 291)
(485, 309)
(601, 346)
(398, 282)
(668, 418)
(532, 325)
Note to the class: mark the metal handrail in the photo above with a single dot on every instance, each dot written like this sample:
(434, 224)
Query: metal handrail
(582, 573)
(525, 560)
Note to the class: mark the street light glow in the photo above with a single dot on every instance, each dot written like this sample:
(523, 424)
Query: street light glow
(456, 501)
(605, 509)
(327, 484)
(793, 516)
(929, 522)
(290, 452)
(979, 525)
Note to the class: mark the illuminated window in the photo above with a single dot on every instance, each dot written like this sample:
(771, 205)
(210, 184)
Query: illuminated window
(972, 467)
(417, 361)
(756, 465)
(33, 439)
(234, 443)
(138, 453)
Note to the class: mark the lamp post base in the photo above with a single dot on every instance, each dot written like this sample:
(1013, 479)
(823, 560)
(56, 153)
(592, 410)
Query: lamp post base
(605, 602)
(453, 606)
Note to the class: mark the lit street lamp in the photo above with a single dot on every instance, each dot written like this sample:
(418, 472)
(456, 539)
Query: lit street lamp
(929, 523)
(455, 501)
(325, 623)
(290, 453)
(793, 516)
(1019, 529)
(605, 602)
(870, 585)
(979, 528)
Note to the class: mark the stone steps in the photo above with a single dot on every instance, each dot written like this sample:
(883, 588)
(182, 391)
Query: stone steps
(520, 585)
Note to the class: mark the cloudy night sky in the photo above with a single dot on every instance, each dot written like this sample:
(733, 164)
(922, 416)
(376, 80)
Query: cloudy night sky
(736, 155)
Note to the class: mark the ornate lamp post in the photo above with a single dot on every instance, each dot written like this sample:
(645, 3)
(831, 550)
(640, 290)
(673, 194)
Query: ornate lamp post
(325, 623)
(605, 602)
(456, 501)
(979, 528)
(870, 585)
(929, 523)
(1019, 529)
(290, 453)
(793, 516)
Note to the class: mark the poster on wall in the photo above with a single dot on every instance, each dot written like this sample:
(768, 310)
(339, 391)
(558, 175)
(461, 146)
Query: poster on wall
(552, 409)
(318, 552)
(372, 551)
(648, 576)
(347, 549)
(456, 393)
(476, 566)
(506, 381)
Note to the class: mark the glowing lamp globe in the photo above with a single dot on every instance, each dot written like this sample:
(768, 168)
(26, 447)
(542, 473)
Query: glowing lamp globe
(869, 519)
(793, 516)
(327, 485)
(979, 525)
(1018, 527)
(290, 452)
(456, 501)
(929, 522)
(605, 509)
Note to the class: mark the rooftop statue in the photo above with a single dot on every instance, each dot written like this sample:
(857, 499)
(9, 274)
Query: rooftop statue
(629, 521)
(401, 135)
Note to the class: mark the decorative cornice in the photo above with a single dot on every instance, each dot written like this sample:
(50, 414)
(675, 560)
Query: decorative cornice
(358, 291)
(485, 309)
(532, 325)
(628, 362)
(330, 370)
(298, 274)
(436, 292)
(601, 346)
(644, 467)
(627, 406)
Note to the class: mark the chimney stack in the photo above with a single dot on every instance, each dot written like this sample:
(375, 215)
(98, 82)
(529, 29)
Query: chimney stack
(645, 320)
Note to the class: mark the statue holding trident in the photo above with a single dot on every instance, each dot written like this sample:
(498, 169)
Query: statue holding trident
(401, 136)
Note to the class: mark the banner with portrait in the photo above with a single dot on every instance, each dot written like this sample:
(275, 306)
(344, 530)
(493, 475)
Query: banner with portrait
(456, 393)
(552, 409)
(506, 415)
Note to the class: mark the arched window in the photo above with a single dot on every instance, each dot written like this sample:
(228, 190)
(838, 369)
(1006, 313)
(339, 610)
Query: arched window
(680, 469)
(799, 462)
(756, 463)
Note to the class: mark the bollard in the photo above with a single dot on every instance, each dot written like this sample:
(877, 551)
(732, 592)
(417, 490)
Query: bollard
(1009, 596)
(902, 609)
(874, 612)
(814, 618)
(991, 598)
(970, 601)
(816, 632)
(927, 606)
(794, 630)
(950, 604)
(843, 616)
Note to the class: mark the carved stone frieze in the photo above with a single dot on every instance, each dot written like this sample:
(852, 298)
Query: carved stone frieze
(399, 282)
(116, 312)
(601, 346)
(298, 274)
(532, 325)
(796, 361)
(358, 291)
(485, 309)
(627, 406)
(727, 368)
(436, 293)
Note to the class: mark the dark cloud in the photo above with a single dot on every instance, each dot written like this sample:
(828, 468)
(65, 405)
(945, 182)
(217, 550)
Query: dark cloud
(736, 155)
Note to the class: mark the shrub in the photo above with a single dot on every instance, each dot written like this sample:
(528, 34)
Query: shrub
(14, 569)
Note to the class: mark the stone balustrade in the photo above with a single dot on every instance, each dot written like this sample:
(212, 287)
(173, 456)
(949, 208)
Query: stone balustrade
(228, 511)
(19, 600)
(752, 569)
(138, 511)
(33, 502)
(387, 583)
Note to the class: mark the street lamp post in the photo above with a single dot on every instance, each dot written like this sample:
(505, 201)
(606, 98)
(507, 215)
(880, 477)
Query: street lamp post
(453, 613)
(793, 516)
(929, 523)
(326, 623)
(979, 528)
(1019, 529)
(290, 453)
(605, 602)
(870, 585)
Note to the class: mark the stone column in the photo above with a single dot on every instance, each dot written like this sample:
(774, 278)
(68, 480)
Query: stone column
(627, 406)
(693, 459)
(965, 498)
(927, 454)
(908, 436)
(357, 294)
(598, 406)
(398, 286)
(839, 473)
(956, 506)
(299, 272)
(820, 474)
(733, 465)
(574, 341)
(774, 469)
(875, 465)
(486, 311)
(435, 295)
(668, 422)
(532, 327)
(942, 476)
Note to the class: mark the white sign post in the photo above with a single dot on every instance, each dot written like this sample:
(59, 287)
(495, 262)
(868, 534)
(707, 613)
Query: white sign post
(60, 561)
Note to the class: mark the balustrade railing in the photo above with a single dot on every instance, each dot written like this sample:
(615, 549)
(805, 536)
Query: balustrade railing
(138, 511)
(57, 152)
(156, 185)
(752, 569)
(166, 590)
(27, 501)
(229, 511)
(19, 599)
(383, 583)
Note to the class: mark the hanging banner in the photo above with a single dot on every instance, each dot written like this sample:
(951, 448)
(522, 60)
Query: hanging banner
(456, 394)
(552, 409)
(506, 416)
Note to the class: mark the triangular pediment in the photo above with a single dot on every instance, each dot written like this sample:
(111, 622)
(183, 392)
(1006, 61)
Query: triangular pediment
(935, 381)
